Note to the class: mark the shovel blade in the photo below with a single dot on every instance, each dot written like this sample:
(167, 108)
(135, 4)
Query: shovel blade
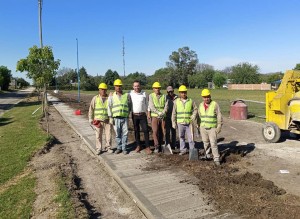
(193, 154)
(167, 149)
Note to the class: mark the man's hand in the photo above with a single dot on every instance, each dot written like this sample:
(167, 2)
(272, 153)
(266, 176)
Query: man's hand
(174, 125)
(91, 121)
(218, 129)
(193, 117)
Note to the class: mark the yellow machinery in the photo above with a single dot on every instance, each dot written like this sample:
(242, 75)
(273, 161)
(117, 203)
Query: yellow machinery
(283, 108)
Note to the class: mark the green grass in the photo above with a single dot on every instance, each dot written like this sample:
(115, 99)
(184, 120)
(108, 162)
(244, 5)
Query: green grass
(63, 198)
(21, 136)
(256, 111)
(17, 201)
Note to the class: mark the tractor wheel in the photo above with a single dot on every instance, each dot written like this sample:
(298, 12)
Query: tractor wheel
(271, 132)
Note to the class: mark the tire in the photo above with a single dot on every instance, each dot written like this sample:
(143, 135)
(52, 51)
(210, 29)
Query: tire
(271, 132)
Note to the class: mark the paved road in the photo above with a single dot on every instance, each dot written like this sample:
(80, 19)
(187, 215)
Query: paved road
(8, 100)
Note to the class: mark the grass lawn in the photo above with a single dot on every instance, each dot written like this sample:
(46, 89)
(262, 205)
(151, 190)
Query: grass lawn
(20, 137)
(256, 111)
(16, 201)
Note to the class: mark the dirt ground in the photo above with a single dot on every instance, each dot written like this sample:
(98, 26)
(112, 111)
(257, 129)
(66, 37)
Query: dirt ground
(248, 182)
(94, 193)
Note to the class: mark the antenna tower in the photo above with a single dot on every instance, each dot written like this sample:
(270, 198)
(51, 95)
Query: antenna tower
(123, 53)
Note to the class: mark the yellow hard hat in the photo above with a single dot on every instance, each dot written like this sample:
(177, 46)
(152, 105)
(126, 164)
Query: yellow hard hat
(182, 88)
(102, 86)
(205, 92)
(118, 82)
(156, 85)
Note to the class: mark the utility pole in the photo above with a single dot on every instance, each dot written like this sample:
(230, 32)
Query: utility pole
(78, 77)
(123, 53)
(40, 22)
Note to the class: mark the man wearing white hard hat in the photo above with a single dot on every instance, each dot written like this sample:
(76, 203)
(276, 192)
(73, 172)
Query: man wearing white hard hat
(210, 125)
(170, 131)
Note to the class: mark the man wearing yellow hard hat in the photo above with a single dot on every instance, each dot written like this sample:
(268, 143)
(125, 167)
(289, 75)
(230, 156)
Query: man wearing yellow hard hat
(183, 114)
(119, 107)
(98, 117)
(210, 125)
(158, 106)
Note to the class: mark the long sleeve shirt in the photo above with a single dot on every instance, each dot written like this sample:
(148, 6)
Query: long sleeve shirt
(171, 101)
(139, 102)
(217, 113)
(174, 111)
(152, 107)
(110, 103)
(92, 107)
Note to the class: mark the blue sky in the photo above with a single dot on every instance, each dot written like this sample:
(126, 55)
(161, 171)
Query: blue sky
(222, 32)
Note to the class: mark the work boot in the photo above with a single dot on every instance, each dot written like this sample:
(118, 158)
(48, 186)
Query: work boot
(156, 150)
(98, 151)
(109, 150)
(217, 163)
(148, 150)
(182, 153)
(118, 151)
(138, 149)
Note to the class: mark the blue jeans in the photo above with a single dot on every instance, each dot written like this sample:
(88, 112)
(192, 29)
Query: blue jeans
(121, 130)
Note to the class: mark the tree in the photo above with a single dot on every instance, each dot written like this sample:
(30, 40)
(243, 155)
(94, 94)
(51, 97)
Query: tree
(5, 75)
(136, 76)
(219, 79)
(202, 66)
(197, 81)
(297, 67)
(21, 82)
(39, 65)
(245, 73)
(110, 76)
(183, 62)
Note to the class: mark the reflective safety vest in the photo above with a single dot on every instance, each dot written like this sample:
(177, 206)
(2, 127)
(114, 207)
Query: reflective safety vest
(184, 111)
(120, 105)
(208, 117)
(158, 103)
(100, 112)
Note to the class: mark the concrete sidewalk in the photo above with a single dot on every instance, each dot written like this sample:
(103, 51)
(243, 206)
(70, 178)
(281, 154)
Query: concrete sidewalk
(159, 194)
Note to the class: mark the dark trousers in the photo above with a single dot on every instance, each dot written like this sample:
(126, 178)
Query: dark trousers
(170, 133)
(141, 120)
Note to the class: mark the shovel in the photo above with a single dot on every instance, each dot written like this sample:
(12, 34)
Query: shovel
(166, 148)
(193, 153)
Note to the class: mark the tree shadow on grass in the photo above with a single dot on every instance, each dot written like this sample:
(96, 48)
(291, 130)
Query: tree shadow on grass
(5, 121)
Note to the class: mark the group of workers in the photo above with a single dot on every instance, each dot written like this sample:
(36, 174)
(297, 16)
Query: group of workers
(166, 113)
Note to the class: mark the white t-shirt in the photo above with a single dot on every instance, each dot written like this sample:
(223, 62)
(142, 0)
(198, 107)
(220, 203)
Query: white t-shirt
(139, 102)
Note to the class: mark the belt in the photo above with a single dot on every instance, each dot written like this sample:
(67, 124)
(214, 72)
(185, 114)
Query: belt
(208, 128)
(139, 114)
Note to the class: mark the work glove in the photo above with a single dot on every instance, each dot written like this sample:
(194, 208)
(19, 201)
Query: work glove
(218, 129)
(91, 121)
(111, 121)
(174, 125)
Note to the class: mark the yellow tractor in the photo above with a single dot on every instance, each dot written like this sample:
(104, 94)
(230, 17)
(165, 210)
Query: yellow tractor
(283, 108)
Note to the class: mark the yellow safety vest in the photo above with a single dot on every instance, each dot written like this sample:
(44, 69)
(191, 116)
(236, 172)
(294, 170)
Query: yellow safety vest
(208, 117)
(100, 112)
(184, 111)
(120, 106)
(159, 104)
